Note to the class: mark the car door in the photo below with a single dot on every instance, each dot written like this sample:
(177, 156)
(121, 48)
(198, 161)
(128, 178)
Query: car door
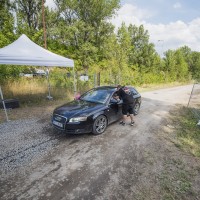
(115, 110)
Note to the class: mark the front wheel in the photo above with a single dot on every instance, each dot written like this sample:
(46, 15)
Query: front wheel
(99, 125)
(136, 108)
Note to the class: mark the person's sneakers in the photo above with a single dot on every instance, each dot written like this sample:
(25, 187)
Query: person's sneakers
(122, 123)
(132, 123)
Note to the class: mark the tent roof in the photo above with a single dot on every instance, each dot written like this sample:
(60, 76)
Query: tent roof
(23, 51)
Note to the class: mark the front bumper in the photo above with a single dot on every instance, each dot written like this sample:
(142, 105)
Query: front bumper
(78, 129)
(62, 123)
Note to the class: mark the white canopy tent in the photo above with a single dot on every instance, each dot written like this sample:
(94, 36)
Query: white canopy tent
(23, 51)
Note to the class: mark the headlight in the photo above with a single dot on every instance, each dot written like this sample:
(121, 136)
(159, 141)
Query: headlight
(78, 119)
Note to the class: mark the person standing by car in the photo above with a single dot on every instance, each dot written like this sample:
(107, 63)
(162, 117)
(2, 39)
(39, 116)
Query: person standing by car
(127, 105)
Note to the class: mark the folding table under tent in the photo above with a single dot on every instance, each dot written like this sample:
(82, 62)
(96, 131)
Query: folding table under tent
(23, 51)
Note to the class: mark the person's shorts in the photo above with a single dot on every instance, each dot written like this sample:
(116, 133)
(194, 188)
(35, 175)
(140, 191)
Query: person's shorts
(128, 108)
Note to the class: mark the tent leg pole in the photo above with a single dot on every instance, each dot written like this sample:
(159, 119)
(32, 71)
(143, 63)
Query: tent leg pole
(74, 83)
(49, 87)
(4, 106)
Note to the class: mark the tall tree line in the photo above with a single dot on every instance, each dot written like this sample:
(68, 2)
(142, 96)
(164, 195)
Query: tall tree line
(81, 30)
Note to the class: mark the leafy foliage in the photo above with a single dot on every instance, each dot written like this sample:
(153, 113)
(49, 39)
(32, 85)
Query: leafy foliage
(81, 30)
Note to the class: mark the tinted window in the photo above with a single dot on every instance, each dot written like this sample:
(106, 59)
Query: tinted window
(96, 95)
(134, 91)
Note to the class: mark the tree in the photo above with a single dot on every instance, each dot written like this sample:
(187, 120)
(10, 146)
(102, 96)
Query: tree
(170, 65)
(83, 27)
(122, 52)
(28, 16)
(6, 36)
(6, 23)
(181, 66)
(143, 53)
(176, 65)
(195, 65)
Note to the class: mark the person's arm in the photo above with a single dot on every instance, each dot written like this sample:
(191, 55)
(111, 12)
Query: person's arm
(121, 92)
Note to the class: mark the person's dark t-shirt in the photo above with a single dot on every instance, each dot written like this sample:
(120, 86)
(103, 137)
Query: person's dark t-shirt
(126, 97)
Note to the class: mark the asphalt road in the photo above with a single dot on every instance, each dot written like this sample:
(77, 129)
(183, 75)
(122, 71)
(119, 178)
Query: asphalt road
(39, 162)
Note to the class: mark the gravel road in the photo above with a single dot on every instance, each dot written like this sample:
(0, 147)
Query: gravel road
(39, 162)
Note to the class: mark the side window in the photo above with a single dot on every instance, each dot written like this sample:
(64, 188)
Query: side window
(115, 98)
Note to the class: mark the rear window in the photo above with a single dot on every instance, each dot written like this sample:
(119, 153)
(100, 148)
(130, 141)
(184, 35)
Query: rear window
(134, 91)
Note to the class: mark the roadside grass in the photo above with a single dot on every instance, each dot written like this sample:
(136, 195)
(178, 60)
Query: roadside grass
(175, 181)
(179, 179)
(34, 92)
(186, 130)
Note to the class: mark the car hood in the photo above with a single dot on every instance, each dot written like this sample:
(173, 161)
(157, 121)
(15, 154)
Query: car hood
(77, 108)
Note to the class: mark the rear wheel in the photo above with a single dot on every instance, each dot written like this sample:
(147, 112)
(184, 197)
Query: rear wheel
(136, 108)
(100, 125)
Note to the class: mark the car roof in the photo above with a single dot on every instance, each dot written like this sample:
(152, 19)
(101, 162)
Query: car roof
(106, 87)
(111, 87)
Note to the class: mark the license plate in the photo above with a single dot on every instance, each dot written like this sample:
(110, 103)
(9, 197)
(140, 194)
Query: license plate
(58, 124)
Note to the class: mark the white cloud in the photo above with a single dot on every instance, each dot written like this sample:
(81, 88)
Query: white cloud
(175, 35)
(177, 5)
(50, 4)
(165, 36)
(130, 14)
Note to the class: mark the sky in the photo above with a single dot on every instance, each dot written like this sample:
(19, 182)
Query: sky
(171, 24)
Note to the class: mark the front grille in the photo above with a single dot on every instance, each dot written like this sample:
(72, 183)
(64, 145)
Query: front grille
(59, 118)
(59, 121)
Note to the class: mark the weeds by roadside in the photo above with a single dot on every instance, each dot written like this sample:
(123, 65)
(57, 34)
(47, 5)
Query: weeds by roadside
(186, 130)
(179, 178)
(176, 181)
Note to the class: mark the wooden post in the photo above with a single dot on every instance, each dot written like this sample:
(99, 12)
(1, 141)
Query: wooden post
(44, 26)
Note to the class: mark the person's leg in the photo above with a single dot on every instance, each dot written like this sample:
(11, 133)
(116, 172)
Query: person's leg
(131, 111)
(124, 118)
(124, 112)
(132, 119)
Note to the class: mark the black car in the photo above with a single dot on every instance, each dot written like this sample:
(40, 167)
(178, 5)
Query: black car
(92, 112)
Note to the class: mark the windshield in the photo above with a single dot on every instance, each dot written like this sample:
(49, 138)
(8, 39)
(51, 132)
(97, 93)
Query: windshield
(97, 95)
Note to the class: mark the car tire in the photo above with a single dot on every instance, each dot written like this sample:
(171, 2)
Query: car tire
(100, 125)
(136, 108)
